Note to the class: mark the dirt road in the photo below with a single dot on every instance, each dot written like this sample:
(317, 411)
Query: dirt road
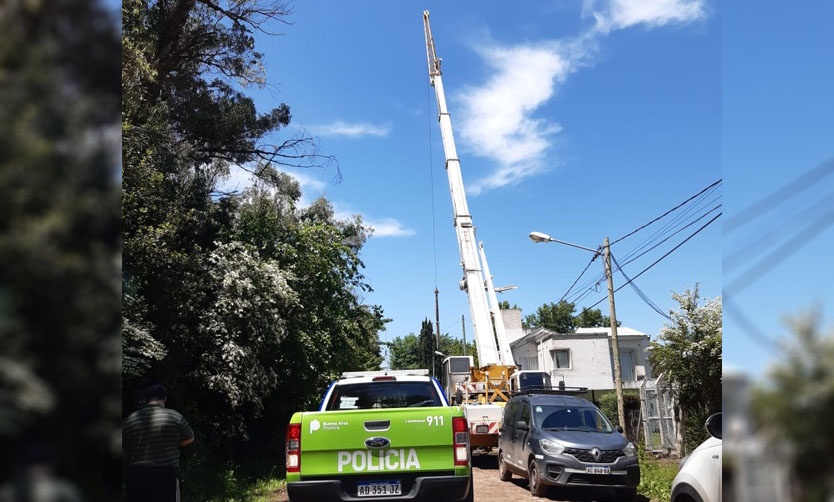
(489, 488)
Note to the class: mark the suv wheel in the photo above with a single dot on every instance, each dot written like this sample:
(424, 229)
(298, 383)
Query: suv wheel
(535, 481)
(503, 472)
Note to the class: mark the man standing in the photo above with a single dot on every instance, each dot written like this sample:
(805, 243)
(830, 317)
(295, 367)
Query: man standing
(151, 438)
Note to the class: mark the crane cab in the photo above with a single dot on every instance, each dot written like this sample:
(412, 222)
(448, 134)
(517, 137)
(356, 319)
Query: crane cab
(530, 380)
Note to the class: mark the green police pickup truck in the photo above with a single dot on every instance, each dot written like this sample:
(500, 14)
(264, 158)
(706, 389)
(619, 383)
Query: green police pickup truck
(387, 435)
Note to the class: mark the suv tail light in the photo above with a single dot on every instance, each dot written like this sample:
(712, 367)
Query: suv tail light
(293, 446)
(460, 433)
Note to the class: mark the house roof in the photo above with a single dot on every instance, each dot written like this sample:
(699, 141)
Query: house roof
(539, 334)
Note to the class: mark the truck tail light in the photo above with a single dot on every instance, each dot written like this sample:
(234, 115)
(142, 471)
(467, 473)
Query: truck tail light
(293, 446)
(461, 439)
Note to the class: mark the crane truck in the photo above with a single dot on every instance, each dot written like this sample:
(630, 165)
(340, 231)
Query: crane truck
(481, 391)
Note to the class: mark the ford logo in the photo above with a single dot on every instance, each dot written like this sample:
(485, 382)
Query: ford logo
(377, 443)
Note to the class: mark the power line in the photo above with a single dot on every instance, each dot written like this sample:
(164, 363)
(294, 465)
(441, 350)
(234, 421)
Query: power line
(779, 196)
(633, 258)
(639, 292)
(679, 219)
(580, 276)
(778, 255)
(705, 225)
(714, 184)
(748, 328)
(758, 245)
(662, 235)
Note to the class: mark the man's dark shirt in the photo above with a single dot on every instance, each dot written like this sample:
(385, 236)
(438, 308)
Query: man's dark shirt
(151, 437)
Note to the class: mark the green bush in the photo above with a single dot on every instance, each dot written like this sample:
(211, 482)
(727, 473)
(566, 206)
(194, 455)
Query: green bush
(655, 477)
(608, 406)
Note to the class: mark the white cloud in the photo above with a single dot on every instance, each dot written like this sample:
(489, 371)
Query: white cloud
(498, 119)
(388, 227)
(383, 227)
(237, 180)
(355, 130)
(620, 14)
(308, 184)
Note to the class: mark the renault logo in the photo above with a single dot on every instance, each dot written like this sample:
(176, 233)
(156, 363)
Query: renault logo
(377, 442)
(596, 454)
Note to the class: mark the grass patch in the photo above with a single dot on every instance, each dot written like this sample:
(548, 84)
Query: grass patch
(216, 482)
(656, 478)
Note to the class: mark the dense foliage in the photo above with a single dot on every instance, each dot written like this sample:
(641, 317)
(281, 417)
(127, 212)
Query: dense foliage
(411, 352)
(59, 240)
(688, 353)
(561, 318)
(794, 406)
(244, 304)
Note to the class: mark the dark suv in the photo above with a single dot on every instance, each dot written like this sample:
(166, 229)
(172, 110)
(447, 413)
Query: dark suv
(553, 438)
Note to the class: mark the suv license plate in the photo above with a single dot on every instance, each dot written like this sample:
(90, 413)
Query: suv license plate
(378, 488)
(596, 469)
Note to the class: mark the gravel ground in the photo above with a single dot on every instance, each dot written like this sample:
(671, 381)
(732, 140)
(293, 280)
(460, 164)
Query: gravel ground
(489, 488)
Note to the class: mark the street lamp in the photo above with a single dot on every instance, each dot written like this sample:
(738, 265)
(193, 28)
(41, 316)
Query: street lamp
(606, 252)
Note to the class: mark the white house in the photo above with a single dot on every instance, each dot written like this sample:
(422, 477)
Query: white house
(585, 358)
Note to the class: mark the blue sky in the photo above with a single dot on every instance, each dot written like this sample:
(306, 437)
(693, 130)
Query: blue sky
(579, 119)
(778, 125)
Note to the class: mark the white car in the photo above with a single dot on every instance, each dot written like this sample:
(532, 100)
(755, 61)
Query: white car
(699, 478)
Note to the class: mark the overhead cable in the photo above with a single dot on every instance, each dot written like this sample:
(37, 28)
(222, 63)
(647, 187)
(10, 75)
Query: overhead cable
(716, 183)
(748, 328)
(705, 225)
(639, 292)
(779, 196)
(778, 255)
(580, 276)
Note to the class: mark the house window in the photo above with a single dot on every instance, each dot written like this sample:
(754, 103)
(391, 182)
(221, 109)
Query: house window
(529, 363)
(561, 358)
(627, 366)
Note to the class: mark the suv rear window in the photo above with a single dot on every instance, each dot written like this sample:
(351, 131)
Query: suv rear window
(575, 418)
(372, 395)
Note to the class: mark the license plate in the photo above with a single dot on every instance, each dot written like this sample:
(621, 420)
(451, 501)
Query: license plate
(597, 469)
(482, 429)
(378, 488)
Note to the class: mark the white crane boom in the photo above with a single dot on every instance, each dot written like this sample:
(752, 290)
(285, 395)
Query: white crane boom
(475, 281)
(504, 351)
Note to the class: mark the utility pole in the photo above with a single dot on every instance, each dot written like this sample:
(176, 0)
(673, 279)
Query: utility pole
(463, 329)
(618, 380)
(437, 328)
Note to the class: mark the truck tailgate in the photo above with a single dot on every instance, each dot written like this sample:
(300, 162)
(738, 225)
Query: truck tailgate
(376, 441)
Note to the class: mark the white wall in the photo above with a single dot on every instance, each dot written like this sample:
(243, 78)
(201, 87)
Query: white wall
(512, 324)
(591, 359)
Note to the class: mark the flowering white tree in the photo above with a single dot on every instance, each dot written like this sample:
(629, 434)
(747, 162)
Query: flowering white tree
(688, 352)
(244, 327)
(795, 403)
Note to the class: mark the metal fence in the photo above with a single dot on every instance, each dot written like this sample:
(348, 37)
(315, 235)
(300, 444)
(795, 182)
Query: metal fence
(658, 417)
